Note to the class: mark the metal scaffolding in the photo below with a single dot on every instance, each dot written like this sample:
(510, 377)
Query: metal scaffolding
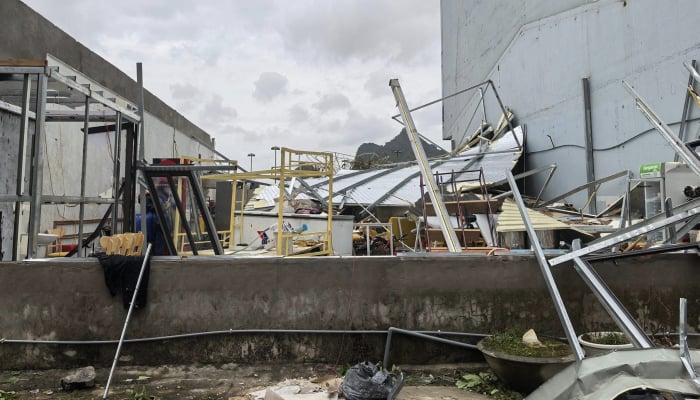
(294, 167)
(51, 75)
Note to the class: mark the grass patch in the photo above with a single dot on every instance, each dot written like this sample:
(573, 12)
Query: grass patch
(607, 338)
(511, 342)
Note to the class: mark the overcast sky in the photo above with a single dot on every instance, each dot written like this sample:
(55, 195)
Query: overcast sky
(309, 75)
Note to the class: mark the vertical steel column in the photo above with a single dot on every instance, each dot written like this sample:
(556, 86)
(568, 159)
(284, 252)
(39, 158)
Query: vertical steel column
(590, 162)
(483, 105)
(21, 160)
(129, 191)
(117, 171)
(330, 206)
(86, 126)
(160, 213)
(183, 214)
(445, 223)
(208, 222)
(142, 150)
(546, 272)
(285, 162)
(37, 179)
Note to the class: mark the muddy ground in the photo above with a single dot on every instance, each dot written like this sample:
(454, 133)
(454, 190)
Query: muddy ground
(226, 382)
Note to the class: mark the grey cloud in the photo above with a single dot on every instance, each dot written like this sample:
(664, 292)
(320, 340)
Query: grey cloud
(270, 85)
(216, 112)
(377, 84)
(342, 30)
(360, 128)
(333, 101)
(298, 114)
(184, 91)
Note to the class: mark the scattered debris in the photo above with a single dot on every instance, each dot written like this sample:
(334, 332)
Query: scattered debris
(367, 381)
(81, 378)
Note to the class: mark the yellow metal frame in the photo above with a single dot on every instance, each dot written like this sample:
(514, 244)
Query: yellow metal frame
(289, 168)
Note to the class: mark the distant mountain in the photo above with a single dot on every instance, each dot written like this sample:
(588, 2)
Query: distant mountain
(396, 150)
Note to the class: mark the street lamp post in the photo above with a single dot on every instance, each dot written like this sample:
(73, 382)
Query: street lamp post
(251, 155)
(275, 148)
(274, 166)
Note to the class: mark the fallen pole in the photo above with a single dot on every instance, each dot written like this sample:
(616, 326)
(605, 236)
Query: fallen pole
(126, 323)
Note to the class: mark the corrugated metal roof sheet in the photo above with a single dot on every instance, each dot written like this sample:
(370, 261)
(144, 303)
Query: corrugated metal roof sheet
(400, 185)
(510, 219)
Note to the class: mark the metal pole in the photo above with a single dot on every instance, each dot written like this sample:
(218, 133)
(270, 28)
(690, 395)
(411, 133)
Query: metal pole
(21, 160)
(626, 234)
(483, 105)
(612, 305)
(117, 171)
(447, 229)
(546, 272)
(590, 162)
(142, 150)
(391, 330)
(691, 158)
(686, 109)
(37, 179)
(128, 193)
(208, 221)
(86, 126)
(126, 323)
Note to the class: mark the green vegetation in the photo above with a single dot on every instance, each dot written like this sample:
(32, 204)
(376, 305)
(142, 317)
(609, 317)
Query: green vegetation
(609, 338)
(511, 342)
(138, 394)
(487, 384)
(7, 395)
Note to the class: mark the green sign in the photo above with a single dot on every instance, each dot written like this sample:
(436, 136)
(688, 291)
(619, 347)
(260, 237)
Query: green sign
(650, 170)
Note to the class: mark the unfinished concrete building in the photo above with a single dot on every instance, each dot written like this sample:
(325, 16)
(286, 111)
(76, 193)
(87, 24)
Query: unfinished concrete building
(30, 39)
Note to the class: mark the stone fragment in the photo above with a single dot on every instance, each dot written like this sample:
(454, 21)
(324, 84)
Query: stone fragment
(80, 379)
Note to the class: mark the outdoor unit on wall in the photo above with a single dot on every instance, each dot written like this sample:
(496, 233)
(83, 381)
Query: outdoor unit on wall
(665, 180)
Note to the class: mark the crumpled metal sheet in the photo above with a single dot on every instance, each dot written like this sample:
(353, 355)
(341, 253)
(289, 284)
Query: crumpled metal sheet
(607, 376)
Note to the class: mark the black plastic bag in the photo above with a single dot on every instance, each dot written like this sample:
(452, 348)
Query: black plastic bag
(366, 381)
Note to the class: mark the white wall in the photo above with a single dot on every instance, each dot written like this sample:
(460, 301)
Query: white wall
(538, 70)
(62, 163)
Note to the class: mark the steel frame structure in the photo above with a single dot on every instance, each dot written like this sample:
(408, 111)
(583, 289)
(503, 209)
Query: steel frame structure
(52, 70)
(291, 167)
(188, 172)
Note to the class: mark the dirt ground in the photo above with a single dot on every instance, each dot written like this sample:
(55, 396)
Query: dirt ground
(226, 382)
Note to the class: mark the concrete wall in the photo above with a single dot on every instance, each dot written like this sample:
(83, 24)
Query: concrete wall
(68, 300)
(537, 53)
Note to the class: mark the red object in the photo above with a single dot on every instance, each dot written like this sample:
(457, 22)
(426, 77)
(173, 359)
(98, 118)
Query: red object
(66, 248)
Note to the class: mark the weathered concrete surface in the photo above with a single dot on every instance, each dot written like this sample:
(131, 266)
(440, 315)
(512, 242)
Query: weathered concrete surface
(68, 300)
(222, 382)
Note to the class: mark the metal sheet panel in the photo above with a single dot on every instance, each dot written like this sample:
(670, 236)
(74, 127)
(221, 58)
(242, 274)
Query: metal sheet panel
(348, 186)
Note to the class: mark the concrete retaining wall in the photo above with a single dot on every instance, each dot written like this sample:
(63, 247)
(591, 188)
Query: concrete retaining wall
(68, 300)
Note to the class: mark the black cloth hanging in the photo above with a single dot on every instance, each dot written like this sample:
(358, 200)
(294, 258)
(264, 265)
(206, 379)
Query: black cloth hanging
(122, 273)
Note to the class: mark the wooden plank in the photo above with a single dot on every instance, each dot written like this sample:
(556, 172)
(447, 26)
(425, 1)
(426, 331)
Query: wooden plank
(22, 62)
